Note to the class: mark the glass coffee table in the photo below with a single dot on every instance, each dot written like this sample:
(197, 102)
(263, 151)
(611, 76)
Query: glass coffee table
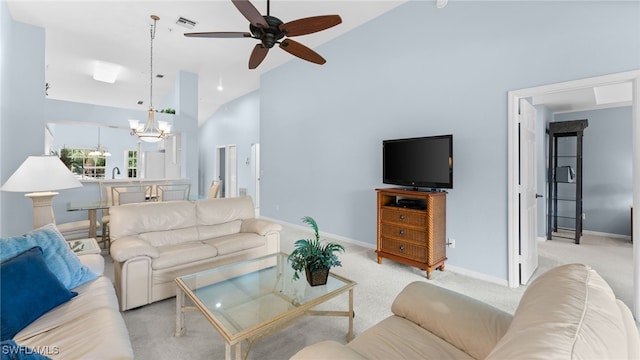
(252, 299)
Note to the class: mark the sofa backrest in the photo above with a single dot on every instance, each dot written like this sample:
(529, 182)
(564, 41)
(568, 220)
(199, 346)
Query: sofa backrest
(453, 317)
(173, 222)
(149, 217)
(220, 217)
(219, 211)
(569, 312)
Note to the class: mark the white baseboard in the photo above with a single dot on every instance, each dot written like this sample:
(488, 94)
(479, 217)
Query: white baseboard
(614, 236)
(476, 275)
(324, 233)
(452, 268)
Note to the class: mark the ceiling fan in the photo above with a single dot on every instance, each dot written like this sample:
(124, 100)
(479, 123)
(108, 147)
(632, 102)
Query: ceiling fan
(270, 31)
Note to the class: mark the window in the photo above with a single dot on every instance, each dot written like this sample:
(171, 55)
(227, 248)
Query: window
(83, 165)
(132, 164)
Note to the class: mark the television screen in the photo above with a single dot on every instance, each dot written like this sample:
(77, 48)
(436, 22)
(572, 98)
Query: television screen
(418, 162)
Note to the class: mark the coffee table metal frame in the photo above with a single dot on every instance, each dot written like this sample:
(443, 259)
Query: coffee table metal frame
(189, 284)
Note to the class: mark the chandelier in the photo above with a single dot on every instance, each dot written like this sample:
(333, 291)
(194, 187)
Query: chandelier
(151, 131)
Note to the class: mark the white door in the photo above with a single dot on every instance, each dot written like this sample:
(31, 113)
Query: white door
(528, 196)
(232, 171)
(221, 169)
(255, 155)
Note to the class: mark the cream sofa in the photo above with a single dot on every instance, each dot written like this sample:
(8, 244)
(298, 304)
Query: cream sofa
(568, 312)
(155, 242)
(89, 326)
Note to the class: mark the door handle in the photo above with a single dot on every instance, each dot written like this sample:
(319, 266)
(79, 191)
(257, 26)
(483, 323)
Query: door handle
(538, 196)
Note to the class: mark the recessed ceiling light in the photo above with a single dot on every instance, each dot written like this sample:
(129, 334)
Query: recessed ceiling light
(106, 72)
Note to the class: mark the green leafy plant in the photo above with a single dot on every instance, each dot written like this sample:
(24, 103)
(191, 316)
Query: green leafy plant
(167, 110)
(65, 157)
(312, 254)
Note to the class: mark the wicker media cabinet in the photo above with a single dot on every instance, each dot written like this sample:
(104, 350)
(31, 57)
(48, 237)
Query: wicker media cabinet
(412, 228)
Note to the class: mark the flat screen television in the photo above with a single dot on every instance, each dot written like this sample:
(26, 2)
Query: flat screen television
(418, 162)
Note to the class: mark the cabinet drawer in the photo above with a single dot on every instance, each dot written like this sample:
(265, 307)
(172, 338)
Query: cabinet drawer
(404, 249)
(402, 232)
(403, 216)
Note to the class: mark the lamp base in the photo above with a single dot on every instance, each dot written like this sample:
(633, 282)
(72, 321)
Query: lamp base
(42, 210)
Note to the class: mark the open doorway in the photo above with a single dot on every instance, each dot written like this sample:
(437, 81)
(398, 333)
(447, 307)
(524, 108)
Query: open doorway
(515, 239)
(227, 170)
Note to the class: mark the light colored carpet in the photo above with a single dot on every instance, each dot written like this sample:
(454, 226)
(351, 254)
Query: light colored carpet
(152, 327)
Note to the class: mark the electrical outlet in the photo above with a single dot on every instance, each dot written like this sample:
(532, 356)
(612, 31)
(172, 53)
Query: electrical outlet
(451, 243)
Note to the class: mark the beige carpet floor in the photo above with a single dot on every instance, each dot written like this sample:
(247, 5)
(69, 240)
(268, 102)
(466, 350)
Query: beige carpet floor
(151, 328)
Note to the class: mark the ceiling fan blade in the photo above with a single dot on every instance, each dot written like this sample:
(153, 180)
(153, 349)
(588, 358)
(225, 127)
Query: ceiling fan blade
(310, 25)
(251, 13)
(296, 49)
(257, 55)
(219, 34)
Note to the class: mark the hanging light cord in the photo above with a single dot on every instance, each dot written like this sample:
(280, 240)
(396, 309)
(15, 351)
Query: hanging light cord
(153, 35)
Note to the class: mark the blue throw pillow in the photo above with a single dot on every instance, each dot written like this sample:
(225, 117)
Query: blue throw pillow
(29, 289)
(63, 262)
(12, 351)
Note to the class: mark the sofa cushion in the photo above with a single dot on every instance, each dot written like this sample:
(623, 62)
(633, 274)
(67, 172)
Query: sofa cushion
(29, 289)
(397, 338)
(170, 237)
(136, 218)
(218, 211)
(236, 242)
(569, 312)
(63, 262)
(212, 231)
(184, 253)
(89, 326)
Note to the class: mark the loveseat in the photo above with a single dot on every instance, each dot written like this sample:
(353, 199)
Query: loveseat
(569, 312)
(153, 243)
(86, 326)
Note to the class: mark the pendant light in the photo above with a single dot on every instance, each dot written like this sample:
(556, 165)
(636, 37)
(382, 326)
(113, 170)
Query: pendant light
(99, 151)
(150, 131)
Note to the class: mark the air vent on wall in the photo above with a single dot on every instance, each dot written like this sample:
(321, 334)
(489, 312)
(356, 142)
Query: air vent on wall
(189, 24)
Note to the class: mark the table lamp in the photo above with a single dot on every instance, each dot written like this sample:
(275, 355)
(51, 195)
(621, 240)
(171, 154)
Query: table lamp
(39, 176)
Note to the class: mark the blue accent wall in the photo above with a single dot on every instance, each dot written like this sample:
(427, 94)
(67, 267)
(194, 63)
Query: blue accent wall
(419, 71)
(21, 122)
(236, 123)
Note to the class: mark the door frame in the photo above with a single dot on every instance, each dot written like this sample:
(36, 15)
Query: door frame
(513, 207)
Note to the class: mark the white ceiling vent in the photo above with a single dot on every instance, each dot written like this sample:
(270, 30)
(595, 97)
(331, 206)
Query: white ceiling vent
(189, 24)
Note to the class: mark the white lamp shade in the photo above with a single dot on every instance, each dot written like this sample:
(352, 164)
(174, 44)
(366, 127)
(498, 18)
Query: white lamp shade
(39, 174)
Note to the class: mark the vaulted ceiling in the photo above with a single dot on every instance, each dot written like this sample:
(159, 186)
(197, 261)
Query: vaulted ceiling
(80, 34)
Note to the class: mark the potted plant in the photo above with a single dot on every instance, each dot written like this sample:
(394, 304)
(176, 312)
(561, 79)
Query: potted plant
(314, 257)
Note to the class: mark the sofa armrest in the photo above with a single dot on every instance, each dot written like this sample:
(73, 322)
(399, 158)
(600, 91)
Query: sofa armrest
(466, 323)
(327, 350)
(259, 226)
(95, 262)
(129, 247)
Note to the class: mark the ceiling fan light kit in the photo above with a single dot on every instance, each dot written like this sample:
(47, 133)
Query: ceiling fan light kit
(271, 31)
